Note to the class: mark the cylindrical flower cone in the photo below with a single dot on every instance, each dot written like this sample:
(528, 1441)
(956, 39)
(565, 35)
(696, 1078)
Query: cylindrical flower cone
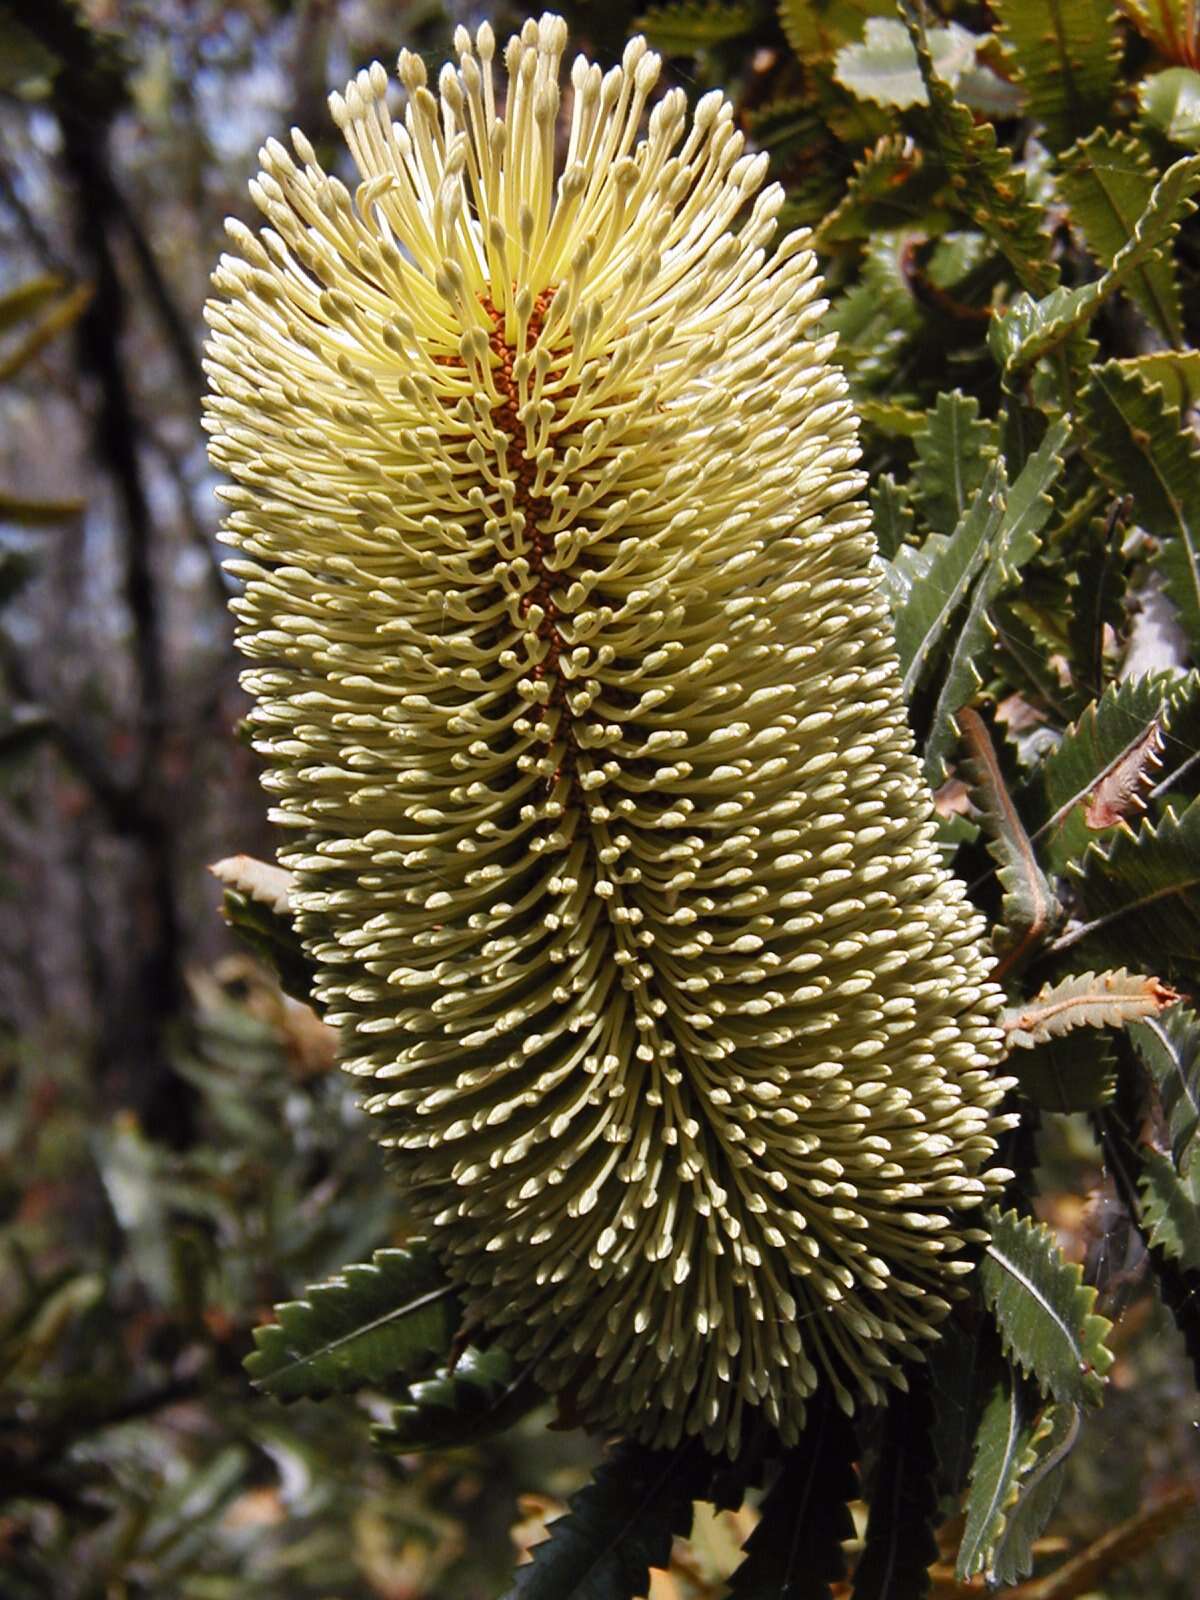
(582, 715)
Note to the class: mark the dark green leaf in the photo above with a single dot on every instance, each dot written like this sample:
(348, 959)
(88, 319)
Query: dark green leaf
(1110, 742)
(1077, 1074)
(900, 1546)
(1143, 892)
(1171, 1208)
(618, 1527)
(373, 1325)
(876, 320)
(964, 1367)
(1043, 1309)
(690, 26)
(893, 186)
(1065, 56)
(1107, 180)
(795, 1551)
(1169, 1048)
(485, 1393)
(893, 516)
(1140, 446)
(257, 906)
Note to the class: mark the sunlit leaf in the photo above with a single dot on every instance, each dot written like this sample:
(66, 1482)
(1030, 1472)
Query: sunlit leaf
(816, 28)
(1170, 102)
(1088, 1000)
(883, 67)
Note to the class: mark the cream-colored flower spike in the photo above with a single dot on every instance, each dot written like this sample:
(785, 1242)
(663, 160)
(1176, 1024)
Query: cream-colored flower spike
(582, 711)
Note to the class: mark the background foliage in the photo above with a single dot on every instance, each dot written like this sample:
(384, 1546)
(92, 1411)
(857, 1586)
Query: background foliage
(1002, 198)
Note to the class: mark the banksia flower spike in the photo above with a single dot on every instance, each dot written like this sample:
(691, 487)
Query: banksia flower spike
(582, 714)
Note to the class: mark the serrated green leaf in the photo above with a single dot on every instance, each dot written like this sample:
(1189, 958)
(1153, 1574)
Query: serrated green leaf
(1169, 1049)
(883, 67)
(1030, 329)
(372, 1325)
(892, 515)
(937, 579)
(1037, 1492)
(1110, 742)
(954, 451)
(1171, 1208)
(486, 1392)
(1107, 180)
(1170, 102)
(1140, 447)
(899, 1547)
(618, 1526)
(1143, 892)
(1016, 541)
(1171, 26)
(1085, 1000)
(1030, 910)
(1044, 1309)
(1063, 1075)
(894, 185)
(1003, 1453)
(876, 320)
(987, 186)
(1177, 373)
(1065, 56)
(690, 26)
(795, 1552)
(816, 28)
